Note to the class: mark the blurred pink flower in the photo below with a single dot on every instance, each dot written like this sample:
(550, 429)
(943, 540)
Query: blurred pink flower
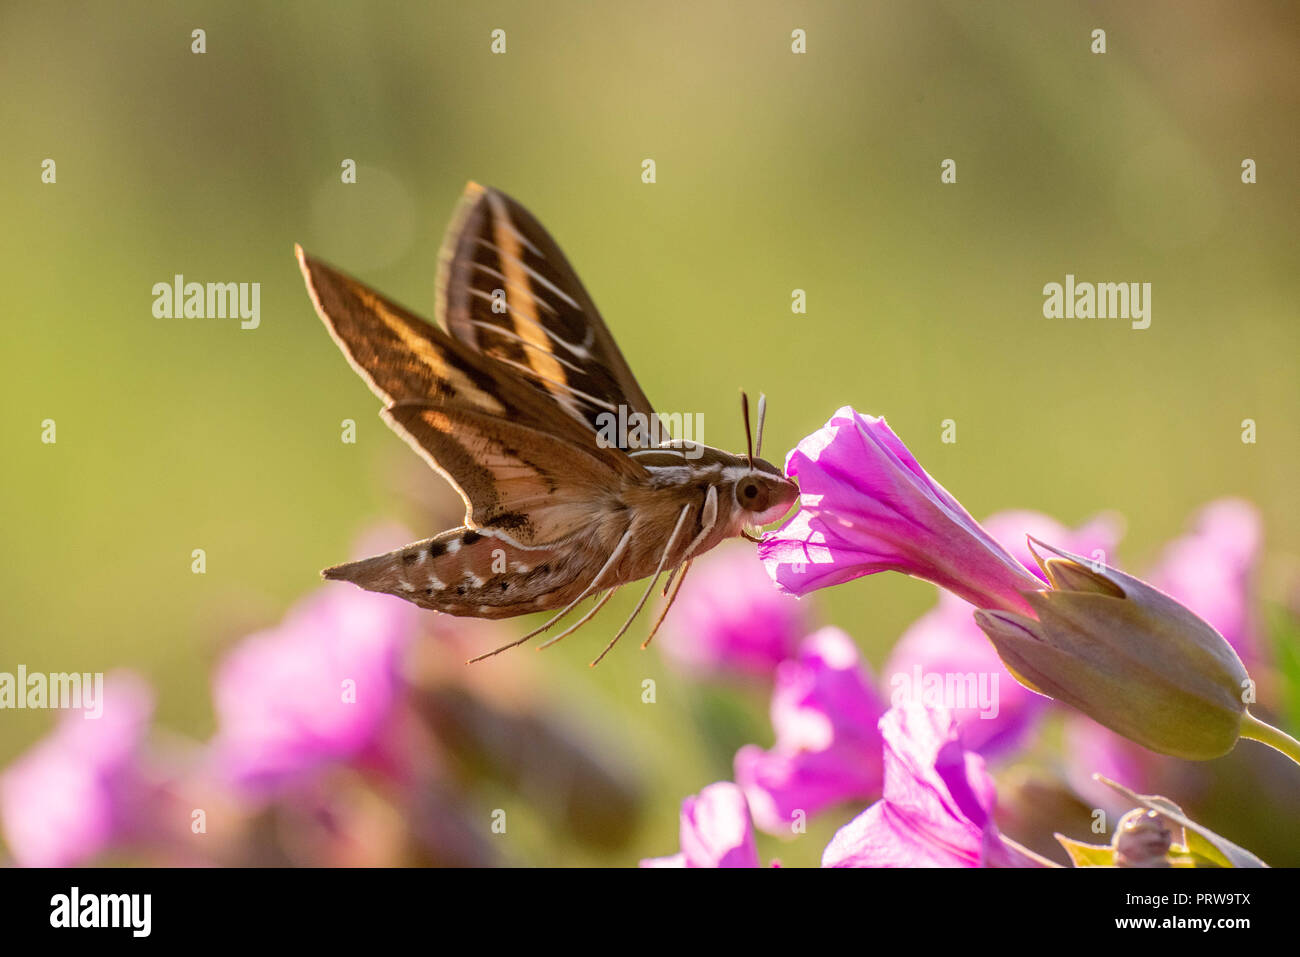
(729, 619)
(828, 748)
(71, 796)
(937, 809)
(317, 688)
(945, 646)
(1091, 749)
(715, 831)
(867, 507)
(1211, 571)
(995, 712)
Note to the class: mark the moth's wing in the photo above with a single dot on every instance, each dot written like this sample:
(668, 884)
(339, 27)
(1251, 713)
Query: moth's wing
(531, 486)
(406, 359)
(506, 290)
(465, 571)
(403, 358)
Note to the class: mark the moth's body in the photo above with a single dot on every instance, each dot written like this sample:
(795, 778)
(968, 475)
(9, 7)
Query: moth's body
(485, 572)
(511, 404)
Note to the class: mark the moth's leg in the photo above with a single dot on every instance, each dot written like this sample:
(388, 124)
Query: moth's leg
(708, 518)
(595, 582)
(581, 621)
(651, 587)
(668, 582)
(683, 568)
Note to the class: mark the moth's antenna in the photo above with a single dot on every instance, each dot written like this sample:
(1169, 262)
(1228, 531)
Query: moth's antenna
(749, 437)
(762, 415)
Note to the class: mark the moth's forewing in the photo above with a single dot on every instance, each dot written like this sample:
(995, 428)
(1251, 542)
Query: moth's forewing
(507, 290)
(399, 355)
(404, 358)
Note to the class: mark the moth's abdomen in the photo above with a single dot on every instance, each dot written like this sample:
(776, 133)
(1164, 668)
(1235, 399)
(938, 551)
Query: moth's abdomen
(478, 573)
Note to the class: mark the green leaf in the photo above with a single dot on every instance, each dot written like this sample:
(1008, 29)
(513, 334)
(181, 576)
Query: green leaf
(1087, 855)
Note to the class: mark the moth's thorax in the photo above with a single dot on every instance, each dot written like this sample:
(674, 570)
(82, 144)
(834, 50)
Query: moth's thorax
(746, 495)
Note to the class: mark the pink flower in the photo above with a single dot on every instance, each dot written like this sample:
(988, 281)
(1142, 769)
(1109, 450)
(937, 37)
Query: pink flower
(715, 831)
(945, 649)
(1211, 571)
(937, 809)
(828, 748)
(71, 796)
(317, 688)
(867, 507)
(943, 659)
(1092, 749)
(729, 619)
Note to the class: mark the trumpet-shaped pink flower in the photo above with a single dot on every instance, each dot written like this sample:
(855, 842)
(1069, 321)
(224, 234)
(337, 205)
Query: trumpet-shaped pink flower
(72, 795)
(315, 689)
(945, 647)
(728, 619)
(867, 507)
(937, 809)
(825, 712)
(716, 831)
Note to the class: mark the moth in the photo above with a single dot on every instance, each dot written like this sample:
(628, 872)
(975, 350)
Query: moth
(510, 398)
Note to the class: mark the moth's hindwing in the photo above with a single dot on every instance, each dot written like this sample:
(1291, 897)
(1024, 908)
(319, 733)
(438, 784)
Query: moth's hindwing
(536, 487)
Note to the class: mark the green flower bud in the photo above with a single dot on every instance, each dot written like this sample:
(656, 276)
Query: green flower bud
(1126, 655)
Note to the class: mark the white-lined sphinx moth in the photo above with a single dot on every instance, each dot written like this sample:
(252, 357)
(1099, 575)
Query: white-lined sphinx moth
(505, 398)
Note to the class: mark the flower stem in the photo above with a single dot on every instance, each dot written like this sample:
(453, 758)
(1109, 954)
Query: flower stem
(1256, 730)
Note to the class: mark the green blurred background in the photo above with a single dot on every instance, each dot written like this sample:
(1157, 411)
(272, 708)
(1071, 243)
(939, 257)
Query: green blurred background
(775, 171)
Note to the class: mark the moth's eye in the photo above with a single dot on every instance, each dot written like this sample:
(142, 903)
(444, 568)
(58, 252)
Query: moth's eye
(751, 496)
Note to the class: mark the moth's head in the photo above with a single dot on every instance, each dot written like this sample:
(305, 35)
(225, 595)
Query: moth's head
(762, 492)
